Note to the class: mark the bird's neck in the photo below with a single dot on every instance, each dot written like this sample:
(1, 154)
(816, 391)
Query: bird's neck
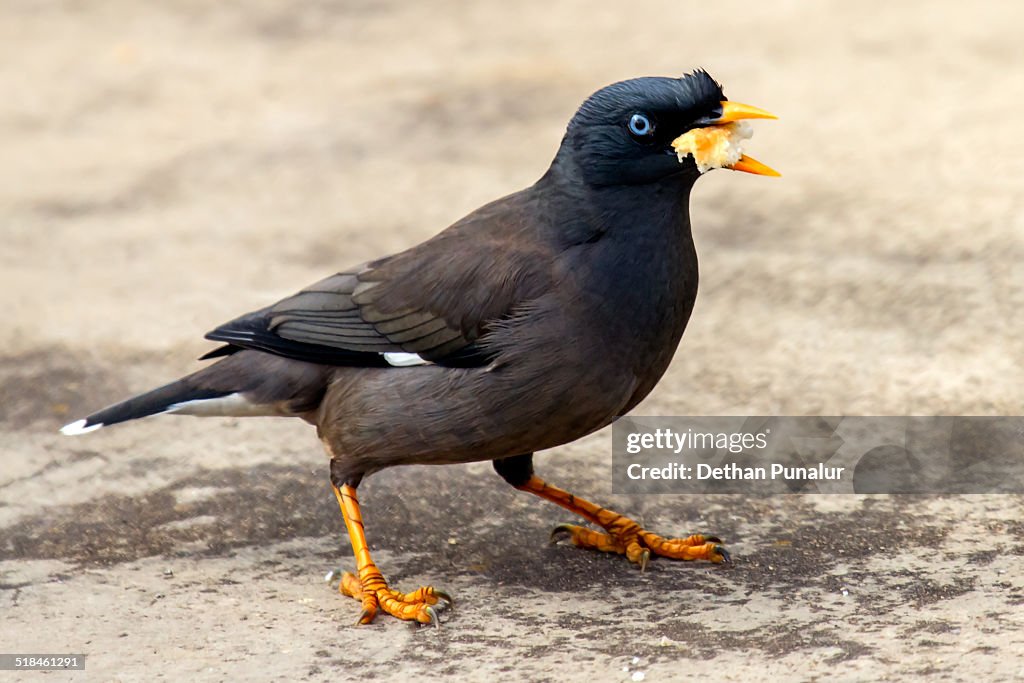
(646, 215)
(632, 251)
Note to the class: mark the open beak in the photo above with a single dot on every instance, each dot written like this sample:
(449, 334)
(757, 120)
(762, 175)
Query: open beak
(734, 111)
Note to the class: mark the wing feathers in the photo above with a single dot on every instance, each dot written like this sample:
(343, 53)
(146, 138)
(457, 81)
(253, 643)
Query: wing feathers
(431, 344)
(436, 300)
(408, 322)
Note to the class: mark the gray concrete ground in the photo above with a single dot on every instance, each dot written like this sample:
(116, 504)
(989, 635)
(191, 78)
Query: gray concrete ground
(170, 165)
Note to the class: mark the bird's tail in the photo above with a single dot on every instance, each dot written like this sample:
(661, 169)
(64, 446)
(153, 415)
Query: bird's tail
(246, 383)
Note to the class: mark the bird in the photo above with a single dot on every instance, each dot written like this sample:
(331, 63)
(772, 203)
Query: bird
(533, 321)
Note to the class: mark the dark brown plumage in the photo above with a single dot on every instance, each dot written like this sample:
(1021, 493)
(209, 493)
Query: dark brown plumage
(534, 320)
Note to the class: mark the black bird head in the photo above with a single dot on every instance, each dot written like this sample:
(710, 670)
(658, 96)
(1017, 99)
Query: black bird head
(624, 133)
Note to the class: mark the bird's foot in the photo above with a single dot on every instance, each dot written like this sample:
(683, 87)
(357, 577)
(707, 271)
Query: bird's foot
(621, 534)
(626, 537)
(422, 605)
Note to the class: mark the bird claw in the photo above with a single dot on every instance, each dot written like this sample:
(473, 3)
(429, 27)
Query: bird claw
(566, 529)
(726, 557)
(444, 603)
(447, 602)
(645, 557)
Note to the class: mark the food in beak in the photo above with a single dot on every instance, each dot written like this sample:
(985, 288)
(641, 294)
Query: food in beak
(718, 146)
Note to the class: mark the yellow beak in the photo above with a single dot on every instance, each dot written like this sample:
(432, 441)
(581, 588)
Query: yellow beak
(751, 165)
(735, 111)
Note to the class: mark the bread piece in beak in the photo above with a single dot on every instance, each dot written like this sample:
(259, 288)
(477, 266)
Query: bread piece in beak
(720, 144)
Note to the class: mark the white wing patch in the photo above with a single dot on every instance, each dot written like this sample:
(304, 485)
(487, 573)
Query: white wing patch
(398, 359)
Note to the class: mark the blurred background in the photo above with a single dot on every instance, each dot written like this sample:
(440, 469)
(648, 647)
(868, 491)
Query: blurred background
(168, 166)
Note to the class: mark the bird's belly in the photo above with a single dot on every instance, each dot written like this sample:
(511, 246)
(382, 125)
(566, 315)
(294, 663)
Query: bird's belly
(436, 415)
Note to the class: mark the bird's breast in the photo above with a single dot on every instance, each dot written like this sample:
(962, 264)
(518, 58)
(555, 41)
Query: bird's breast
(632, 298)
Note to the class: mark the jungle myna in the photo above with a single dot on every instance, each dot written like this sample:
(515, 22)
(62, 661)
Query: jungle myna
(531, 322)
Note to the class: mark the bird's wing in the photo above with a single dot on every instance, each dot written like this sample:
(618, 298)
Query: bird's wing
(432, 303)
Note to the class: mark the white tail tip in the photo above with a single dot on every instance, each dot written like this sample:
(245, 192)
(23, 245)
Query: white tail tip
(76, 428)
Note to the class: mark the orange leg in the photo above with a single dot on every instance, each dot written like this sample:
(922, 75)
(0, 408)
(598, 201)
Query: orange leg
(624, 536)
(369, 587)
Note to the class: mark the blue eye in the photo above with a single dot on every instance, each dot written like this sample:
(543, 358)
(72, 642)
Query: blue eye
(640, 125)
